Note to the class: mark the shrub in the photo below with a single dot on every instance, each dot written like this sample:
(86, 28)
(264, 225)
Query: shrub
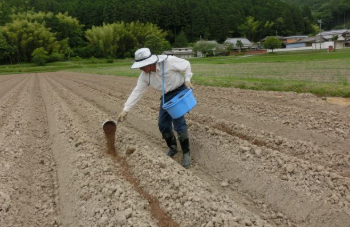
(93, 60)
(55, 56)
(40, 56)
(128, 55)
(110, 59)
(76, 58)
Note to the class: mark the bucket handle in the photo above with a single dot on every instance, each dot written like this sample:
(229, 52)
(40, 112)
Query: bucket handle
(168, 103)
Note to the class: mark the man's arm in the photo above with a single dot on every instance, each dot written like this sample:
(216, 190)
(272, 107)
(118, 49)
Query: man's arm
(184, 66)
(134, 97)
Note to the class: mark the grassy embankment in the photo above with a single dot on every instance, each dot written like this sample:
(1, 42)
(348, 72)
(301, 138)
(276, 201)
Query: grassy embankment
(317, 72)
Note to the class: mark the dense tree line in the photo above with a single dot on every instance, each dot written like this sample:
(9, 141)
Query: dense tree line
(197, 18)
(77, 24)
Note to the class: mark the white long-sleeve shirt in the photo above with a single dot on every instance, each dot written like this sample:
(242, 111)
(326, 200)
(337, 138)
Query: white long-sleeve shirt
(173, 67)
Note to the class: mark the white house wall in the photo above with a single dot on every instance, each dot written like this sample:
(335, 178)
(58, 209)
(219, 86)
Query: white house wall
(323, 45)
(339, 45)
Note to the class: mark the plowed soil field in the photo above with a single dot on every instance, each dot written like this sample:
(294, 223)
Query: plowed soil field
(259, 158)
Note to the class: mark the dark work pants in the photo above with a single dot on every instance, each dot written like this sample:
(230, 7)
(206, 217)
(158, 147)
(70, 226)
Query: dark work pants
(165, 122)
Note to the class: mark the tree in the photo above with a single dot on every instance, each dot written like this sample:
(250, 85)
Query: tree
(205, 47)
(272, 43)
(239, 44)
(334, 39)
(69, 27)
(181, 40)
(40, 56)
(6, 50)
(27, 36)
(153, 43)
(229, 48)
(249, 28)
(122, 39)
(30, 30)
(5, 11)
(104, 39)
(193, 19)
(3, 47)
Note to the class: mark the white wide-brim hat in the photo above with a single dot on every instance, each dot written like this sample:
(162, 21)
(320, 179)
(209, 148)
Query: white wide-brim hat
(144, 57)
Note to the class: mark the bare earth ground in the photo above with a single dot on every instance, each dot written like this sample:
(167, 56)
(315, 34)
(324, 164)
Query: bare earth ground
(260, 158)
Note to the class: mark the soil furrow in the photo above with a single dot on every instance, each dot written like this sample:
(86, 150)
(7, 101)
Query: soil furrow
(329, 123)
(259, 158)
(153, 181)
(98, 191)
(336, 161)
(6, 78)
(9, 99)
(162, 218)
(326, 185)
(27, 166)
(300, 102)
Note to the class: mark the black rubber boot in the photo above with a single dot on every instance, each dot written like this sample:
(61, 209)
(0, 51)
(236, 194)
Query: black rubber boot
(185, 146)
(171, 142)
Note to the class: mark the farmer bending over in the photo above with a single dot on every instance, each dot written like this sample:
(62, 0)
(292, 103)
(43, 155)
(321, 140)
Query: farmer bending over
(151, 66)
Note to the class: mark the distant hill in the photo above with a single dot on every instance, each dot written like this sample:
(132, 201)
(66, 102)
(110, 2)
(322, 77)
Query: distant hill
(334, 13)
(313, 4)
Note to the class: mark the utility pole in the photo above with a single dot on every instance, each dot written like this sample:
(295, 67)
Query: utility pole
(320, 22)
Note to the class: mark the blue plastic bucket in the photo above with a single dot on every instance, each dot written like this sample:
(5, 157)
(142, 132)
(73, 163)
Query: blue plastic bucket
(181, 104)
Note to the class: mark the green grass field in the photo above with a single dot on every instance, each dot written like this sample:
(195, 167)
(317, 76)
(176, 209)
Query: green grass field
(317, 72)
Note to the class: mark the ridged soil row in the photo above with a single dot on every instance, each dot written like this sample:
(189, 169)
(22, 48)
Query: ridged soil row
(111, 101)
(334, 161)
(5, 78)
(300, 191)
(268, 111)
(143, 112)
(103, 101)
(9, 79)
(189, 200)
(103, 98)
(9, 97)
(328, 123)
(293, 162)
(107, 98)
(28, 178)
(118, 88)
(272, 111)
(106, 81)
(92, 189)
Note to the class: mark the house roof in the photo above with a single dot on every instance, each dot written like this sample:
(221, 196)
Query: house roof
(334, 32)
(181, 48)
(183, 52)
(312, 39)
(341, 33)
(296, 37)
(245, 41)
(168, 52)
(278, 37)
(207, 41)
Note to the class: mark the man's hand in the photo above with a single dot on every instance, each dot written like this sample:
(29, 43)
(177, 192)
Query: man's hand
(189, 85)
(122, 116)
